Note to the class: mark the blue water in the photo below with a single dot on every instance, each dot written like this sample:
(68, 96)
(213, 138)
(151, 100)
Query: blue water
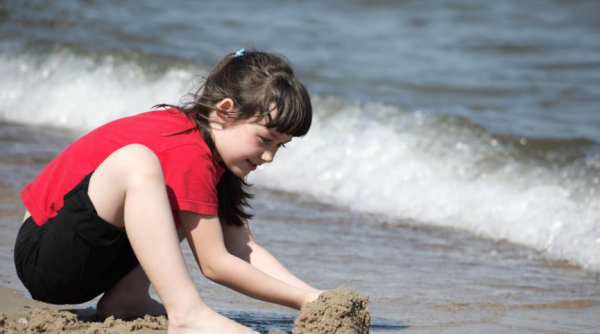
(527, 68)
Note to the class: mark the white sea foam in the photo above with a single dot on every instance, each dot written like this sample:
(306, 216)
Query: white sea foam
(408, 165)
(82, 93)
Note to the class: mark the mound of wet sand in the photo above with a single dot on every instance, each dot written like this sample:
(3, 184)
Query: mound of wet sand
(338, 311)
(47, 320)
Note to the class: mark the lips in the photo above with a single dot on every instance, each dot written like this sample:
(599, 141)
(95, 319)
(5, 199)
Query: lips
(252, 166)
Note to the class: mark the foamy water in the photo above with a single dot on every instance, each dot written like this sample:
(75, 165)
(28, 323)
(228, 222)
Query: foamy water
(83, 92)
(432, 171)
(421, 167)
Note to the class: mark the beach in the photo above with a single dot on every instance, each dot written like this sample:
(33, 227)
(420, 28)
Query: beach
(451, 172)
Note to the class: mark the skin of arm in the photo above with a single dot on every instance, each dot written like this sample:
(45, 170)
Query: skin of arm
(205, 236)
(239, 242)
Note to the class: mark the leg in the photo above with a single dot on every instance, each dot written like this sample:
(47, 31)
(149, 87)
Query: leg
(129, 298)
(128, 190)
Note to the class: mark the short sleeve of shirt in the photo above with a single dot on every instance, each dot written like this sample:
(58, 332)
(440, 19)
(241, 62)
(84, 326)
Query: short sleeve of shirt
(191, 179)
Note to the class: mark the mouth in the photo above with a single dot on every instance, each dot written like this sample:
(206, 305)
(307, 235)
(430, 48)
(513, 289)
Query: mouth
(252, 166)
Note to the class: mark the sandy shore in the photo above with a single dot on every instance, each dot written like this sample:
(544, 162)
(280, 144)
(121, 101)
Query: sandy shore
(19, 314)
(336, 311)
(23, 315)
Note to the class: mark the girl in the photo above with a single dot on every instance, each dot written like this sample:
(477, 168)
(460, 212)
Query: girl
(108, 213)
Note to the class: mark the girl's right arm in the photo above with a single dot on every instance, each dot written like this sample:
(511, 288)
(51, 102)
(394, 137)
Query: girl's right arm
(205, 235)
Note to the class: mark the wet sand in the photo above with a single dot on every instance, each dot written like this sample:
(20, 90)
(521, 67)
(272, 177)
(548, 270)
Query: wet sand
(337, 311)
(419, 279)
(22, 315)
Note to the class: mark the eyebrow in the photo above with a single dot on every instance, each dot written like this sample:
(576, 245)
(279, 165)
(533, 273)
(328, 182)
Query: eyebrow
(276, 137)
(273, 134)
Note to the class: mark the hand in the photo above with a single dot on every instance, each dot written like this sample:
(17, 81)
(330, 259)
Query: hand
(311, 296)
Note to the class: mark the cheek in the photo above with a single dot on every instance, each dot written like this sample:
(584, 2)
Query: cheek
(246, 148)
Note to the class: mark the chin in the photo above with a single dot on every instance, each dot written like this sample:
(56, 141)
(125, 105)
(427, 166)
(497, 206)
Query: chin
(239, 172)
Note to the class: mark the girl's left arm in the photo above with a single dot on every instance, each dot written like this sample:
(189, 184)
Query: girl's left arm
(239, 242)
(206, 238)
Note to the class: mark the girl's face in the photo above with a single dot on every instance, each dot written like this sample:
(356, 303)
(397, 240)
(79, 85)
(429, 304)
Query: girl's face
(244, 145)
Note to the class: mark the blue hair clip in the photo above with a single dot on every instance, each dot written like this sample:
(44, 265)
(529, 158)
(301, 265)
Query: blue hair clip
(240, 53)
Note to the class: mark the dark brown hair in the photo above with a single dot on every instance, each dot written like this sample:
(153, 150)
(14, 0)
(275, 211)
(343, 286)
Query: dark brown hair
(257, 82)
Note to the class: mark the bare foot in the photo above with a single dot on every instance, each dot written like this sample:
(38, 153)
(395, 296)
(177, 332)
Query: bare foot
(129, 307)
(206, 321)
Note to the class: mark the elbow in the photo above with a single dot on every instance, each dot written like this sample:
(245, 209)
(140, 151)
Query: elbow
(210, 272)
(214, 270)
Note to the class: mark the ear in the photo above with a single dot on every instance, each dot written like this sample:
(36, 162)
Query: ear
(226, 106)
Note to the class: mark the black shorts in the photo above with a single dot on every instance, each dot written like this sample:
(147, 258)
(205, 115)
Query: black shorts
(75, 256)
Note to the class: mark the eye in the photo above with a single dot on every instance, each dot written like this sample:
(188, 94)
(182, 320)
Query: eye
(265, 140)
(281, 145)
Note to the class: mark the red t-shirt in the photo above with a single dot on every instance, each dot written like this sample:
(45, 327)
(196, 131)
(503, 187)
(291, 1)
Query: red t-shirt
(191, 175)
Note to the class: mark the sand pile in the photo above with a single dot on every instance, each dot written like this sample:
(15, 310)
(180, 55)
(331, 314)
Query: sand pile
(47, 320)
(338, 311)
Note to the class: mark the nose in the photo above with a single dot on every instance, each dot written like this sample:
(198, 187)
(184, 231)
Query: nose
(267, 156)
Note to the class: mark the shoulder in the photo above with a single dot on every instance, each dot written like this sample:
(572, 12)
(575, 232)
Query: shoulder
(191, 158)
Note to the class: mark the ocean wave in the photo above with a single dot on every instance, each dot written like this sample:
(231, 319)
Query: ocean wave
(443, 171)
(83, 91)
